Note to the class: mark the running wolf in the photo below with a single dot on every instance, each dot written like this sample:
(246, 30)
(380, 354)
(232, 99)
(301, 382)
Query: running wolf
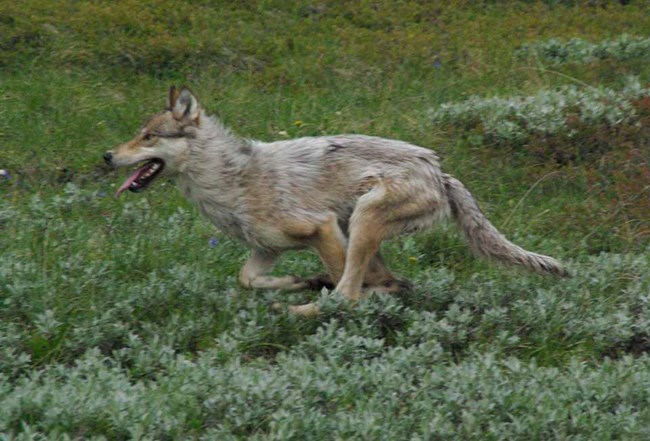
(339, 195)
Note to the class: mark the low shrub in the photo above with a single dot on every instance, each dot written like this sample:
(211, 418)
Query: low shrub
(108, 331)
(554, 51)
(567, 125)
(518, 119)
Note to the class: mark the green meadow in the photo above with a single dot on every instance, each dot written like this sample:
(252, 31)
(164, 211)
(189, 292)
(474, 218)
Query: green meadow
(121, 318)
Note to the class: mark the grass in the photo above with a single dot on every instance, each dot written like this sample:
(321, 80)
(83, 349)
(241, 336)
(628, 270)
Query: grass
(122, 318)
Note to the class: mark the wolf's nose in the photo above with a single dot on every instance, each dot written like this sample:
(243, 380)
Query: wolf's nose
(108, 157)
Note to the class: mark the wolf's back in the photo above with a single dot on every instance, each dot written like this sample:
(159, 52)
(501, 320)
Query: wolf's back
(485, 240)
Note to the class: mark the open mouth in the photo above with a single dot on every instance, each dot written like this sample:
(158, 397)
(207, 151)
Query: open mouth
(142, 176)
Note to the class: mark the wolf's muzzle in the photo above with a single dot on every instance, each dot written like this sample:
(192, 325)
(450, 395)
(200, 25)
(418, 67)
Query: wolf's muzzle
(108, 158)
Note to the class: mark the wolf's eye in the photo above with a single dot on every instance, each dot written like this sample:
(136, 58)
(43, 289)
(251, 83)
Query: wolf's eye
(147, 136)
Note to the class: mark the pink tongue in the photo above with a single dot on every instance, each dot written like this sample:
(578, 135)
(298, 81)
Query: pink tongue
(132, 178)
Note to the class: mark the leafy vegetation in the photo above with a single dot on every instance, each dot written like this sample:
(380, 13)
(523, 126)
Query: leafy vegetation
(518, 119)
(577, 50)
(131, 338)
(122, 318)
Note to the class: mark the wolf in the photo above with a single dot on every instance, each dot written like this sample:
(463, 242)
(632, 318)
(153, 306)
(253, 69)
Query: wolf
(338, 195)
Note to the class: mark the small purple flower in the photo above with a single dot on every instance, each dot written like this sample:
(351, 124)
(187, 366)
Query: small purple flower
(437, 63)
(5, 174)
(213, 242)
(100, 194)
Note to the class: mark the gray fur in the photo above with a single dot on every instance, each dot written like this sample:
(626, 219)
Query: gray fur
(341, 195)
(302, 178)
(486, 240)
(310, 176)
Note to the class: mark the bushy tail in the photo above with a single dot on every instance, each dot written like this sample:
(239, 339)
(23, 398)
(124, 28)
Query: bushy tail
(485, 239)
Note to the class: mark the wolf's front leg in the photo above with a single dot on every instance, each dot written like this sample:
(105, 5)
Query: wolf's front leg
(253, 274)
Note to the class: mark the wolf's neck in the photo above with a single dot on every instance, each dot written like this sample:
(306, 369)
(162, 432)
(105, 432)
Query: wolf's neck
(216, 152)
(216, 160)
(213, 170)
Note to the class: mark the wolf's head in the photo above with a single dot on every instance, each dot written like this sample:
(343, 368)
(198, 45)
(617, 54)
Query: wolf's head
(161, 145)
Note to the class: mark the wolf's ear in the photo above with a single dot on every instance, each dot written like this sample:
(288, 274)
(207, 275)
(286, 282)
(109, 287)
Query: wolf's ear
(172, 97)
(185, 106)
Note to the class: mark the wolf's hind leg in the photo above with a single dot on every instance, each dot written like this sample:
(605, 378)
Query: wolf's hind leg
(253, 274)
(380, 280)
(368, 228)
(391, 207)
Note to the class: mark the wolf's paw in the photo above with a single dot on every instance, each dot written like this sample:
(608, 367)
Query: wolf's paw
(388, 287)
(306, 310)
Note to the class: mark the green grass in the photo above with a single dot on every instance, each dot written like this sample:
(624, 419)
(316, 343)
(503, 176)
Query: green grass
(121, 318)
